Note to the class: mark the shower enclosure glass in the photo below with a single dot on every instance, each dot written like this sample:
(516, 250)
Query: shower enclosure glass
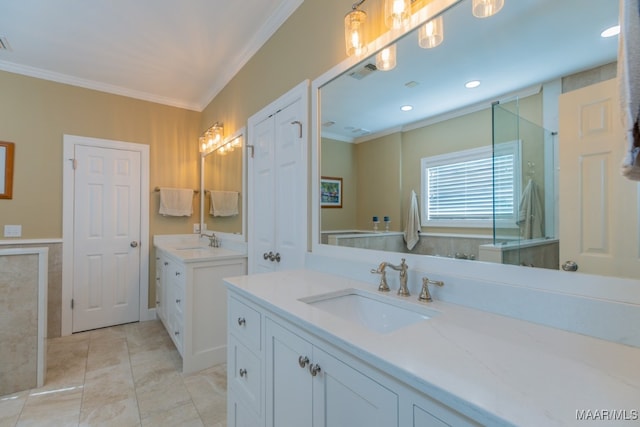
(524, 184)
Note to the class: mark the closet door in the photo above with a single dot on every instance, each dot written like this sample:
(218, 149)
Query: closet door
(278, 183)
(262, 203)
(291, 186)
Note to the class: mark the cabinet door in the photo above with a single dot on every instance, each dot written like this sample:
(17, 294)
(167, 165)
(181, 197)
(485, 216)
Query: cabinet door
(344, 397)
(288, 380)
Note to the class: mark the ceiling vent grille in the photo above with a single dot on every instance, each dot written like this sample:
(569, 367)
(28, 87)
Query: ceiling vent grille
(364, 71)
(4, 43)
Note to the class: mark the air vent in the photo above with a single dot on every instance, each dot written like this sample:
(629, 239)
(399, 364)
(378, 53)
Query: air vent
(411, 84)
(363, 71)
(4, 43)
(328, 124)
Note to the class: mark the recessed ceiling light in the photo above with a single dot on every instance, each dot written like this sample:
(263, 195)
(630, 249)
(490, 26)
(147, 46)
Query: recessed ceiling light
(611, 31)
(406, 107)
(472, 84)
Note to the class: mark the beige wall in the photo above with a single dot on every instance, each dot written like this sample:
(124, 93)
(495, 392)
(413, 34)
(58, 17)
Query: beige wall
(338, 160)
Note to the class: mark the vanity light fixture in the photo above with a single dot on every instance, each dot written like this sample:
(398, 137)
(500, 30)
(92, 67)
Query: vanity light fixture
(472, 84)
(386, 58)
(397, 14)
(610, 32)
(406, 107)
(354, 30)
(431, 34)
(212, 138)
(486, 8)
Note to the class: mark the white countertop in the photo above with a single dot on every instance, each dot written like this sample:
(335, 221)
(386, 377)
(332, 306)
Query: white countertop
(496, 369)
(194, 249)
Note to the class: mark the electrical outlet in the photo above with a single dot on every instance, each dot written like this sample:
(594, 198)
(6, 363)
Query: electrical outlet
(12, 231)
(196, 228)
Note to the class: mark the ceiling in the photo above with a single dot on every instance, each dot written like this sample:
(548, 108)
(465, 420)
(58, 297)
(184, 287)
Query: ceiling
(527, 43)
(179, 53)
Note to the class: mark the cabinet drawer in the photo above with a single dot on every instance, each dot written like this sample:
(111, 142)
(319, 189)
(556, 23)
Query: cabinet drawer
(245, 323)
(245, 374)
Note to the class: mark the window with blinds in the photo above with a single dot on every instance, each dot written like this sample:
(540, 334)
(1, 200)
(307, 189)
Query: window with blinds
(458, 188)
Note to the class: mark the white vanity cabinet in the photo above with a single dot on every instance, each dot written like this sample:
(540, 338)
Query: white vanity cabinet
(191, 303)
(281, 375)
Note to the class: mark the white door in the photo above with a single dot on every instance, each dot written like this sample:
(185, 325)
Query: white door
(598, 206)
(291, 186)
(262, 203)
(106, 276)
(278, 184)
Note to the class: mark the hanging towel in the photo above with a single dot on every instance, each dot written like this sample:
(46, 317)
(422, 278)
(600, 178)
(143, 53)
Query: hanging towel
(629, 84)
(530, 215)
(176, 201)
(412, 228)
(223, 203)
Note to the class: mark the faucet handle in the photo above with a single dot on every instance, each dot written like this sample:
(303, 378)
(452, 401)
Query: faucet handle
(383, 287)
(425, 295)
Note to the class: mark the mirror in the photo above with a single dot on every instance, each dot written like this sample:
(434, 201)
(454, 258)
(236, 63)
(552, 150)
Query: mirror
(524, 57)
(222, 177)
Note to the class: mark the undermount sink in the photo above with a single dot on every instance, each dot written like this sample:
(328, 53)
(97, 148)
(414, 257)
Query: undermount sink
(191, 248)
(377, 313)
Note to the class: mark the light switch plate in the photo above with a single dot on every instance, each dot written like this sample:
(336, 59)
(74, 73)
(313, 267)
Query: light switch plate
(12, 231)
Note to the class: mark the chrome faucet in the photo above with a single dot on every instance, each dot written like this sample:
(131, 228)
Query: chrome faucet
(214, 242)
(402, 268)
(425, 295)
(384, 287)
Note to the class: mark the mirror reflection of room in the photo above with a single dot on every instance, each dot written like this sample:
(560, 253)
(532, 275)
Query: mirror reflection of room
(482, 160)
(222, 174)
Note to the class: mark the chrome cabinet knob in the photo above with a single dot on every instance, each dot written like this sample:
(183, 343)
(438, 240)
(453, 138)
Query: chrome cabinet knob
(303, 361)
(277, 257)
(570, 266)
(241, 321)
(133, 244)
(314, 369)
(242, 372)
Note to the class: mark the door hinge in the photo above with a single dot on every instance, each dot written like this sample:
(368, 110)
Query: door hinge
(74, 163)
(71, 303)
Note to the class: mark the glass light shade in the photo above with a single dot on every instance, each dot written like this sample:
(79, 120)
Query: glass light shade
(486, 8)
(397, 13)
(386, 58)
(354, 32)
(431, 34)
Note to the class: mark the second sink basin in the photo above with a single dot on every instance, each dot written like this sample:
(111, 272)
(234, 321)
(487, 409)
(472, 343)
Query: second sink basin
(378, 313)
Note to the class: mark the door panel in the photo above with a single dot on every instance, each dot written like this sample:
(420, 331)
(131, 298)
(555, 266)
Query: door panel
(106, 279)
(598, 206)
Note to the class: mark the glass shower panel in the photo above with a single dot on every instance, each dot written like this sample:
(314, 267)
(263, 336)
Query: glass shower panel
(524, 185)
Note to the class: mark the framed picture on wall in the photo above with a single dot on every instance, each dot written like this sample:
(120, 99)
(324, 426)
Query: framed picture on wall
(330, 192)
(6, 170)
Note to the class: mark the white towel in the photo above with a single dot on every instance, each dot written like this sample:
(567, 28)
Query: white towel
(223, 203)
(176, 201)
(412, 228)
(629, 84)
(530, 215)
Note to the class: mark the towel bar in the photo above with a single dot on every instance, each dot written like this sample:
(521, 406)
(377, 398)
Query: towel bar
(157, 190)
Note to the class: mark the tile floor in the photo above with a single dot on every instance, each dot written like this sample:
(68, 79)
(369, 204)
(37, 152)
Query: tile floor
(126, 375)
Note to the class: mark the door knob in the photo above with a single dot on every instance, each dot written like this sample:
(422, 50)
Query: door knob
(570, 266)
(134, 244)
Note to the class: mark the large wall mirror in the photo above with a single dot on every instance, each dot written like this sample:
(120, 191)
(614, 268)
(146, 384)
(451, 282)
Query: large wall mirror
(452, 136)
(223, 188)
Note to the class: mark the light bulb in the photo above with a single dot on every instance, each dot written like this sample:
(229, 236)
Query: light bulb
(397, 13)
(486, 8)
(386, 58)
(431, 34)
(354, 32)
